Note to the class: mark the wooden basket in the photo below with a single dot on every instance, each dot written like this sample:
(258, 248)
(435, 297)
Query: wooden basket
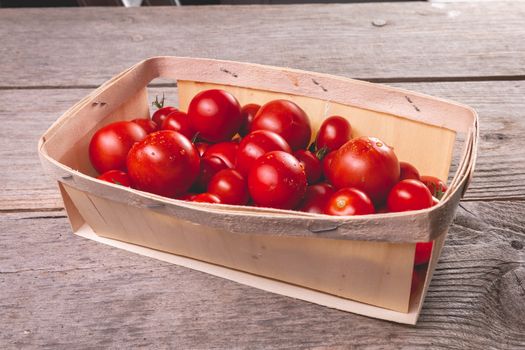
(358, 264)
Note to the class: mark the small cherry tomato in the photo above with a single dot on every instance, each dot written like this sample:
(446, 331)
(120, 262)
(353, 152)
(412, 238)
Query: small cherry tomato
(230, 187)
(286, 119)
(164, 163)
(162, 111)
(423, 252)
(227, 151)
(201, 147)
(326, 162)
(147, 124)
(349, 201)
(277, 180)
(178, 121)
(435, 185)
(117, 177)
(206, 198)
(407, 171)
(110, 145)
(311, 164)
(409, 195)
(209, 167)
(315, 198)
(256, 144)
(248, 112)
(333, 133)
(215, 114)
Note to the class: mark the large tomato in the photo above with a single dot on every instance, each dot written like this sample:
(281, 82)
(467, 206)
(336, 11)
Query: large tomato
(229, 186)
(256, 144)
(178, 121)
(277, 180)
(409, 194)
(286, 119)
(349, 201)
(215, 115)
(316, 198)
(165, 163)
(226, 151)
(333, 133)
(367, 164)
(110, 145)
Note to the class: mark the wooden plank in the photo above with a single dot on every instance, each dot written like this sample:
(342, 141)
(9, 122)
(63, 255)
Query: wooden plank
(91, 295)
(418, 40)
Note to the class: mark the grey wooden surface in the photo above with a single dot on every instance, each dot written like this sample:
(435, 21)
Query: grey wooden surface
(61, 291)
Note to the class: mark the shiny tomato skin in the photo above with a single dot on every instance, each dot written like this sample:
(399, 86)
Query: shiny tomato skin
(256, 144)
(367, 164)
(206, 198)
(227, 151)
(408, 195)
(423, 252)
(435, 185)
(286, 119)
(311, 164)
(178, 121)
(248, 112)
(325, 163)
(408, 171)
(215, 114)
(201, 147)
(209, 167)
(334, 132)
(277, 180)
(110, 145)
(161, 114)
(315, 198)
(117, 177)
(349, 201)
(164, 163)
(147, 124)
(230, 186)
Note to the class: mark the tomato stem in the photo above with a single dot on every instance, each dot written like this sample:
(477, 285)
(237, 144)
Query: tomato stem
(321, 153)
(157, 103)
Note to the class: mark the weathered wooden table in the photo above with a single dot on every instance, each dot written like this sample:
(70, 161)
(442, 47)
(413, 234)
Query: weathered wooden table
(61, 291)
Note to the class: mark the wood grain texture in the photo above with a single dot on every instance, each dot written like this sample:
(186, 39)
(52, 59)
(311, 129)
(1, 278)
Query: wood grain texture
(78, 47)
(60, 291)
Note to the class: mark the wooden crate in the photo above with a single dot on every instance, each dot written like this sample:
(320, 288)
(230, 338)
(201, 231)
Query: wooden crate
(358, 264)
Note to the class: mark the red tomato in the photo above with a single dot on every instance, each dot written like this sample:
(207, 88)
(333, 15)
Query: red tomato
(315, 198)
(349, 201)
(277, 180)
(202, 147)
(178, 121)
(117, 177)
(161, 114)
(227, 151)
(147, 124)
(206, 198)
(110, 145)
(423, 252)
(333, 133)
(367, 164)
(326, 163)
(165, 163)
(256, 144)
(311, 164)
(435, 185)
(286, 119)
(407, 171)
(209, 167)
(409, 195)
(229, 186)
(215, 114)
(187, 196)
(248, 112)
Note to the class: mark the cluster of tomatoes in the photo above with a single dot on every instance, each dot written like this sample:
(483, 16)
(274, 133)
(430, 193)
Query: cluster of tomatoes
(220, 152)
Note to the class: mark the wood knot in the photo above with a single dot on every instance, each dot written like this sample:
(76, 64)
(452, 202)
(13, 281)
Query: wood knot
(512, 295)
(516, 245)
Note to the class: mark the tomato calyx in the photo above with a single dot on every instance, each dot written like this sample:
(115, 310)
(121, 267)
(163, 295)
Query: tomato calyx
(322, 152)
(157, 103)
(195, 137)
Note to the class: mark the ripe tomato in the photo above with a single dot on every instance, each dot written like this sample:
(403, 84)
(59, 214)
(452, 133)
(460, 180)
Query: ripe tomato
(187, 196)
(311, 164)
(209, 167)
(227, 151)
(178, 121)
(286, 119)
(326, 163)
(349, 201)
(202, 147)
(315, 198)
(162, 112)
(230, 187)
(117, 177)
(277, 180)
(147, 124)
(165, 163)
(409, 195)
(248, 112)
(256, 144)
(333, 133)
(206, 198)
(215, 114)
(435, 185)
(110, 145)
(423, 252)
(367, 164)
(407, 171)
